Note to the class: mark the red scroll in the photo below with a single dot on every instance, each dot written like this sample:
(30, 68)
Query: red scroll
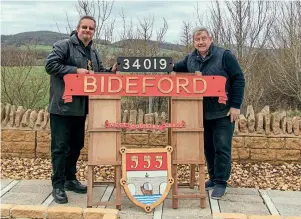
(144, 85)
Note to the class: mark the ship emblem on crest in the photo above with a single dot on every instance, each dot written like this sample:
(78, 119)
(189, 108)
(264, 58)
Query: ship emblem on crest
(146, 175)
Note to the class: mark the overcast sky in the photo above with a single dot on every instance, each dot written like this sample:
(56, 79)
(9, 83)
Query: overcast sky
(22, 16)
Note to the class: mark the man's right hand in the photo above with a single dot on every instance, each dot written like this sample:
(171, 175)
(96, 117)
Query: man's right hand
(82, 71)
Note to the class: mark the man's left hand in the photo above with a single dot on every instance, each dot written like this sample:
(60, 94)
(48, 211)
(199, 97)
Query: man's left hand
(234, 114)
(114, 68)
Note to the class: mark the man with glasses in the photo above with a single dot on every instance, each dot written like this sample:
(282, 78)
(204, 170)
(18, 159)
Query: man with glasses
(218, 118)
(67, 120)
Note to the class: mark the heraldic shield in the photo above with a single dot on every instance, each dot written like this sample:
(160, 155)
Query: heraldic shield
(146, 175)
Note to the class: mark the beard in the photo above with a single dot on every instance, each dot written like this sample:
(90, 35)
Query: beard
(86, 38)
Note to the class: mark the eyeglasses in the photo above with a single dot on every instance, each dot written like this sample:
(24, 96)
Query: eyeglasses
(86, 27)
(200, 39)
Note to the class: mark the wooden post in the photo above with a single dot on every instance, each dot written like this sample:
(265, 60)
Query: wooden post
(104, 143)
(188, 143)
(192, 176)
(90, 186)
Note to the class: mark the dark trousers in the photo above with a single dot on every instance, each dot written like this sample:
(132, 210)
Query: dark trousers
(67, 139)
(217, 144)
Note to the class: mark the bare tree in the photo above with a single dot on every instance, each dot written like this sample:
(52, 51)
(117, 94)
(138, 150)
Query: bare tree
(69, 27)
(244, 27)
(186, 36)
(162, 31)
(108, 32)
(216, 24)
(199, 15)
(138, 42)
(146, 26)
(285, 54)
(22, 84)
(85, 8)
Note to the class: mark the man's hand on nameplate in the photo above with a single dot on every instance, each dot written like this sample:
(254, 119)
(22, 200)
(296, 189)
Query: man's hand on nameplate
(82, 71)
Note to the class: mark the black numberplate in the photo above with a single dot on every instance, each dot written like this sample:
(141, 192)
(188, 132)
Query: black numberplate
(144, 64)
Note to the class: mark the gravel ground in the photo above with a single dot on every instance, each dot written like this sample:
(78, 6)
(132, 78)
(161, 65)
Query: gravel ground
(248, 175)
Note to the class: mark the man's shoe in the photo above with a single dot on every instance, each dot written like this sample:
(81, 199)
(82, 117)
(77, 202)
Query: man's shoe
(59, 196)
(75, 186)
(209, 185)
(219, 191)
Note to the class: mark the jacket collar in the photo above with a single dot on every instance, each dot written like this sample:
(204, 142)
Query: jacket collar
(75, 40)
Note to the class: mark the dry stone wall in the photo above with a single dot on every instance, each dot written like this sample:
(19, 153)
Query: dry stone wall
(265, 136)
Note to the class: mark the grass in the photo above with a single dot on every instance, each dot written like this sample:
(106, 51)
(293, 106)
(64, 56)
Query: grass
(41, 48)
(25, 86)
(293, 113)
(34, 69)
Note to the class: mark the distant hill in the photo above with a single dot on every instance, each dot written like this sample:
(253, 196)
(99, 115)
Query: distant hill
(48, 38)
(45, 38)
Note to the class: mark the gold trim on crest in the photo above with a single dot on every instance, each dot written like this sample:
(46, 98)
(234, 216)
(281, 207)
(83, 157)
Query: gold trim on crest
(123, 181)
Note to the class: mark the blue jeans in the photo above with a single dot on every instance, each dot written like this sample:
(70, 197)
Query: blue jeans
(218, 135)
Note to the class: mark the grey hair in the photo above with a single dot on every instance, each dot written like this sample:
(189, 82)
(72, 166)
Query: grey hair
(200, 29)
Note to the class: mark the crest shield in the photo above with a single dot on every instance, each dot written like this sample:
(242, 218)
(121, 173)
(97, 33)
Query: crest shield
(146, 175)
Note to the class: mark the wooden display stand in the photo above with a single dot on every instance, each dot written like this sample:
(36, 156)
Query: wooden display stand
(188, 144)
(186, 91)
(104, 144)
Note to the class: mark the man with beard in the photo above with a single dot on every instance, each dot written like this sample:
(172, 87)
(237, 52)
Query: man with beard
(67, 120)
(218, 118)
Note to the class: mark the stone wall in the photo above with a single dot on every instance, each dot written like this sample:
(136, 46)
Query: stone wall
(265, 136)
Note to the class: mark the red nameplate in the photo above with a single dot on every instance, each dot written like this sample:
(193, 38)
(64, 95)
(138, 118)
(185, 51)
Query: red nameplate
(144, 85)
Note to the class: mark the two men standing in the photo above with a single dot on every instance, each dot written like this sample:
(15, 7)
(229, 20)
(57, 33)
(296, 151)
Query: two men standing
(67, 120)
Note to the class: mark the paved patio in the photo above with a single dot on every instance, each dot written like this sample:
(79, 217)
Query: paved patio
(247, 201)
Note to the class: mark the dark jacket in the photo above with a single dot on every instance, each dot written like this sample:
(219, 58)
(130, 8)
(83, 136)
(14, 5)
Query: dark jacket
(218, 62)
(68, 55)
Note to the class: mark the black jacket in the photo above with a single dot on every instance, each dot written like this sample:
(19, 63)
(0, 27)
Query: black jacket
(68, 55)
(218, 62)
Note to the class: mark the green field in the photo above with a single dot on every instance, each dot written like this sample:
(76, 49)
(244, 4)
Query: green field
(25, 86)
(34, 70)
(40, 48)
